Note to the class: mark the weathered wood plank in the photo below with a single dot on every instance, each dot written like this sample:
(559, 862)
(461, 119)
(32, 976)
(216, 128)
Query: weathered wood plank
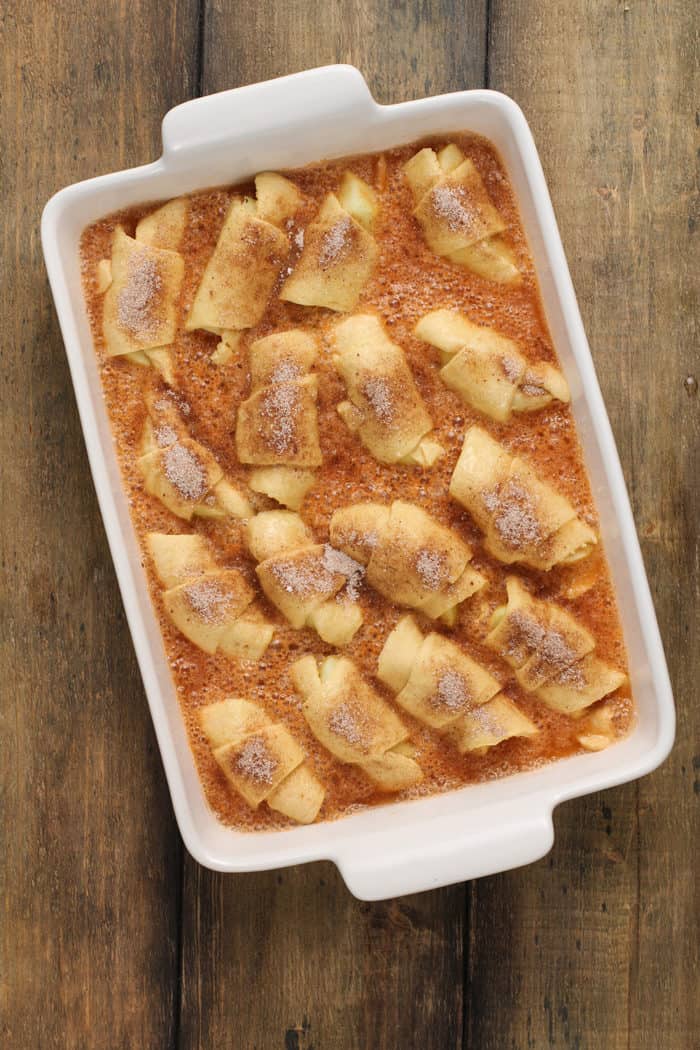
(91, 858)
(549, 945)
(597, 946)
(291, 960)
(592, 948)
(405, 50)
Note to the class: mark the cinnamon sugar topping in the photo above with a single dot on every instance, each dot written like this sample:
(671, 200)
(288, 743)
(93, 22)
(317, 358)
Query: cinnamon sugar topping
(338, 562)
(378, 393)
(256, 762)
(280, 406)
(550, 645)
(511, 369)
(531, 387)
(138, 299)
(485, 720)
(448, 206)
(185, 472)
(430, 566)
(171, 398)
(452, 690)
(303, 577)
(335, 243)
(572, 675)
(208, 600)
(352, 724)
(286, 372)
(318, 575)
(514, 515)
(165, 435)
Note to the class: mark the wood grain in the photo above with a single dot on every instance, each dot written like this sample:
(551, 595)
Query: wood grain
(101, 944)
(289, 960)
(601, 938)
(90, 854)
(404, 49)
(337, 974)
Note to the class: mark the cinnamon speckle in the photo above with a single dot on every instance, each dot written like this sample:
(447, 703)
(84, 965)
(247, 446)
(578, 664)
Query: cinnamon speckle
(185, 471)
(335, 243)
(256, 762)
(138, 300)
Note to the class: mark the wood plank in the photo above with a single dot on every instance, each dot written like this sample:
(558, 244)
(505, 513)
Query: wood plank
(404, 50)
(289, 960)
(596, 946)
(91, 858)
(303, 964)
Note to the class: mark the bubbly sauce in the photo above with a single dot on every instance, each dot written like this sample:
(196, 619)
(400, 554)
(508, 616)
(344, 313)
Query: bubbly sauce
(409, 281)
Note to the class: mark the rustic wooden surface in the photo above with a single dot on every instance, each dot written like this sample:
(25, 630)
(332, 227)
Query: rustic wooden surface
(109, 936)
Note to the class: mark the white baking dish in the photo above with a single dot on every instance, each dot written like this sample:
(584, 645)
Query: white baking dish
(398, 848)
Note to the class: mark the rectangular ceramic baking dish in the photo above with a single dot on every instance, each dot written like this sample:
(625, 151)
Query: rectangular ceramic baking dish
(285, 123)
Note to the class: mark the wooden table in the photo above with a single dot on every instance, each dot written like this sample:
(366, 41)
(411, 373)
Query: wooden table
(111, 936)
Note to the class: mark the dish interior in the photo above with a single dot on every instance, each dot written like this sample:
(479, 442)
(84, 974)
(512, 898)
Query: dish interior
(408, 282)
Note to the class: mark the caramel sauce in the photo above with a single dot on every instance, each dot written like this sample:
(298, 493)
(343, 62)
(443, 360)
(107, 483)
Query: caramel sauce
(409, 280)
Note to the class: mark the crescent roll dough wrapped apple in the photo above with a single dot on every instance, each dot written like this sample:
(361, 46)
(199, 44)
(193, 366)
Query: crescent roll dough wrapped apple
(487, 370)
(385, 408)
(524, 519)
(181, 472)
(349, 718)
(261, 760)
(240, 275)
(551, 653)
(411, 559)
(164, 227)
(277, 426)
(339, 251)
(459, 219)
(211, 606)
(142, 283)
(303, 579)
(445, 689)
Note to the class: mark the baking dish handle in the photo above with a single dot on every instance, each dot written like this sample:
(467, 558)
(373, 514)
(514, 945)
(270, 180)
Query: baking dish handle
(316, 95)
(523, 838)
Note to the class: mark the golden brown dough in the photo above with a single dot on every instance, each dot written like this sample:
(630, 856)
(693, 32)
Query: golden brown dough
(261, 760)
(211, 606)
(459, 219)
(442, 687)
(181, 472)
(551, 653)
(411, 559)
(278, 423)
(336, 262)
(349, 718)
(524, 519)
(385, 408)
(151, 288)
(487, 370)
(140, 307)
(312, 584)
(239, 277)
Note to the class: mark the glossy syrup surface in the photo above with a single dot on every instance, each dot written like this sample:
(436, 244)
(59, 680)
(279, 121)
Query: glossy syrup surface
(409, 280)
